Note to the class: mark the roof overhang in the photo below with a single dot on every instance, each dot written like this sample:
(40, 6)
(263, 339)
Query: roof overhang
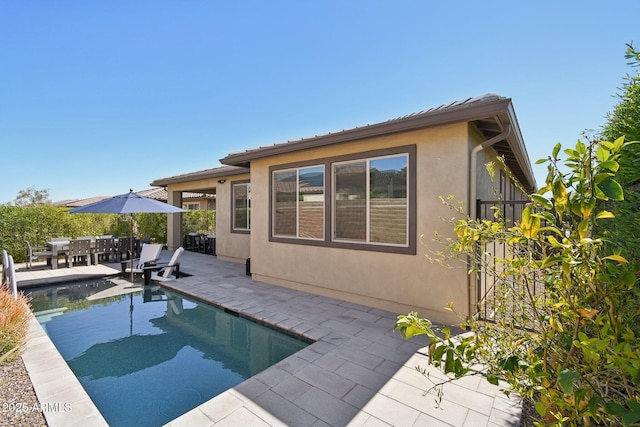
(223, 171)
(489, 114)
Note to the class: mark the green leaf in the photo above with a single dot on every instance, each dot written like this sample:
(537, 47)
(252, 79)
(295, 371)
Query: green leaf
(542, 201)
(541, 161)
(493, 379)
(556, 150)
(611, 189)
(605, 214)
(612, 165)
(566, 379)
(541, 408)
(617, 258)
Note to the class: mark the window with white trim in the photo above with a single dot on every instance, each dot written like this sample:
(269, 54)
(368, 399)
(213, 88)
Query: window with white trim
(241, 209)
(298, 202)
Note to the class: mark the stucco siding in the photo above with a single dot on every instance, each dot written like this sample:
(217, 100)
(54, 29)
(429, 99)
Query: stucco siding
(397, 282)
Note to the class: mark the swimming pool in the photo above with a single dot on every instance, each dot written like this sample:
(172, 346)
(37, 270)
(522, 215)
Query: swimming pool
(147, 357)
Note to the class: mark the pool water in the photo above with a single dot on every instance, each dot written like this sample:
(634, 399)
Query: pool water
(147, 357)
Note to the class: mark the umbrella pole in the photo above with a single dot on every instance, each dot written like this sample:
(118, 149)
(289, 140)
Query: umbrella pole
(131, 248)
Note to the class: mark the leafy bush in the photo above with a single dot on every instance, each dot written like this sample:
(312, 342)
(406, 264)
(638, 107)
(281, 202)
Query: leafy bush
(14, 321)
(573, 346)
(38, 223)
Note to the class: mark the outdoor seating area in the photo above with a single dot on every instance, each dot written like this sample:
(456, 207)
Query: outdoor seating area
(200, 242)
(86, 250)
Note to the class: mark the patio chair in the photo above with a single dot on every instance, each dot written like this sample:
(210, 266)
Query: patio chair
(163, 273)
(149, 254)
(105, 248)
(79, 249)
(37, 252)
(123, 248)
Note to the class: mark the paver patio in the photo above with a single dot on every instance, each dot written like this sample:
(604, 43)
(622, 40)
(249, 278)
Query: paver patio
(358, 372)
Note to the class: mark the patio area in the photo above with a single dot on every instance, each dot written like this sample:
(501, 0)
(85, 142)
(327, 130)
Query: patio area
(357, 373)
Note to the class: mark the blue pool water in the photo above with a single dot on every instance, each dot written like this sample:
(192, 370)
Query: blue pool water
(146, 358)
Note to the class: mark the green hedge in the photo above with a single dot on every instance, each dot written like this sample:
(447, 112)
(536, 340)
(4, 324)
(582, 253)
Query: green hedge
(37, 224)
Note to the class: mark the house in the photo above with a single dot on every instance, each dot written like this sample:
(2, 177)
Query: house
(351, 214)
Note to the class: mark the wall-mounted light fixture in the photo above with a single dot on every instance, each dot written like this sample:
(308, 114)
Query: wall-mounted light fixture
(221, 181)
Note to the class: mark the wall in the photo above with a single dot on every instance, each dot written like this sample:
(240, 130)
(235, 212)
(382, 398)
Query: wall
(229, 246)
(394, 282)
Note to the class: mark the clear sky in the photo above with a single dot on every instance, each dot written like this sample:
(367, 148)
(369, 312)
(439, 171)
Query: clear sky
(97, 97)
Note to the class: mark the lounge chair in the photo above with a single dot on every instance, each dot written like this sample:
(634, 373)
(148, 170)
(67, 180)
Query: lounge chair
(163, 273)
(149, 254)
(37, 252)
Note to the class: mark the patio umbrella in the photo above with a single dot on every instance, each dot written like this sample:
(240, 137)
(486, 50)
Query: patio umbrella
(130, 203)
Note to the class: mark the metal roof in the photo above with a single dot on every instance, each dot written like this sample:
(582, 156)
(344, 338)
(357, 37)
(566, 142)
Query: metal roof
(489, 113)
(203, 174)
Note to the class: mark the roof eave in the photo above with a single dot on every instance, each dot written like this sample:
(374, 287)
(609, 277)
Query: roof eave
(418, 121)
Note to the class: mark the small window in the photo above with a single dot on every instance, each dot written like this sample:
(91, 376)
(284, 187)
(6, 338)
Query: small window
(298, 209)
(241, 209)
(194, 206)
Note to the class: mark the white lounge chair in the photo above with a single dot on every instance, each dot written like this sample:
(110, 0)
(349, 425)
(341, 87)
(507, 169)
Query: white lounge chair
(149, 254)
(164, 274)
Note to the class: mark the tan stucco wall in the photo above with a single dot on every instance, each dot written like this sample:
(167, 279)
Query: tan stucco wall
(230, 246)
(395, 282)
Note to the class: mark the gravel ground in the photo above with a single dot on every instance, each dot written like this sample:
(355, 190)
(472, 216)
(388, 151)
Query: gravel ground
(18, 403)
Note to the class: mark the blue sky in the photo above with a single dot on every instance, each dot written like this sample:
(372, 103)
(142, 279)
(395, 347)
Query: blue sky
(97, 97)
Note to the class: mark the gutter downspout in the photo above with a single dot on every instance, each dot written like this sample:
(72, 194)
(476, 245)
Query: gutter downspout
(472, 190)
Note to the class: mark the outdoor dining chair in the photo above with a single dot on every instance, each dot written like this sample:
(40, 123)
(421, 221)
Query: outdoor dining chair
(105, 249)
(79, 249)
(37, 252)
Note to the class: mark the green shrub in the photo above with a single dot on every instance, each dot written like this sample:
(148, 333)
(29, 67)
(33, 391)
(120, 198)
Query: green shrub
(573, 346)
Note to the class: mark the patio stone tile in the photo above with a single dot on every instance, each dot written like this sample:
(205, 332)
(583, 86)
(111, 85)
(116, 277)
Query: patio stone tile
(425, 420)
(192, 418)
(354, 355)
(321, 347)
(391, 411)
(291, 388)
(461, 396)
(344, 327)
(359, 396)
(362, 376)
(282, 409)
(272, 376)
(241, 417)
(366, 420)
(503, 418)
(475, 419)
(388, 368)
(249, 389)
(325, 380)
(329, 362)
(221, 406)
(363, 314)
(326, 407)
(292, 364)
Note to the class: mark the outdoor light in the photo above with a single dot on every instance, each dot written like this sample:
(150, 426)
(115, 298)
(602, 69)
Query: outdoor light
(221, 181)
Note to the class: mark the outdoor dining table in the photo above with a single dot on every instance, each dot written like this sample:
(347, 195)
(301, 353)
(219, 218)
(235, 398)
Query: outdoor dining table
(59, 247)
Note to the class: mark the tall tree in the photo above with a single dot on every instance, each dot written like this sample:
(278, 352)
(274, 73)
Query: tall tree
(32, 197)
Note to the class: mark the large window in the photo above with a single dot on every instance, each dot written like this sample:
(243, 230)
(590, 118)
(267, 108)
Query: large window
(355, 201)
(370, 200)
(298, 202)
(241, 206)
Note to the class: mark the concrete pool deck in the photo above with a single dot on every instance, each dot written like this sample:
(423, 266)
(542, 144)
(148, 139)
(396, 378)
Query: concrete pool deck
(358, 372)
